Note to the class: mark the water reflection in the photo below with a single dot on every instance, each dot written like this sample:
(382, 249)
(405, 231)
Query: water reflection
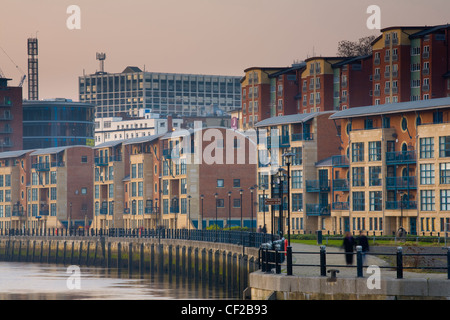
(30, 281)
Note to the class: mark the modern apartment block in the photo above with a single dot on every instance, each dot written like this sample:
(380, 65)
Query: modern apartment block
(163, 93)
(60, 192)
(411, 63)
(10, 117)
(393, 168)
(142, 185)
(120, 128)
(46, 188)
(352, 84)
(256, 95)
(111, 167)
(311, 139)
(14, 177)
(57, 123)
(208, 178)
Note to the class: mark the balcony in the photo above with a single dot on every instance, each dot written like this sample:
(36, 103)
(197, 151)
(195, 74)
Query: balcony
(398, 205)
(340, 161)
(41, 166)
(317, 210)
(284, 141)
(43, 213)
(317, 185)
(101, 161)
(341, 185)
(302, 137)
(171, 153)
(149, 210)
(401, 157)
(341, 206)
(402, 183)
(103, 211)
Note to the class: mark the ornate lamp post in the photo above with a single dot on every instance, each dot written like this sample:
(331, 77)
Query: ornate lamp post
(288, 158)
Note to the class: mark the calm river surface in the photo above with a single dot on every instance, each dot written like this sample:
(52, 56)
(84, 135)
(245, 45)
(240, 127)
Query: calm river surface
(32, 281)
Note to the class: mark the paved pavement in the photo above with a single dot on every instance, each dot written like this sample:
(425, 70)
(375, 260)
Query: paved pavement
(335, 256)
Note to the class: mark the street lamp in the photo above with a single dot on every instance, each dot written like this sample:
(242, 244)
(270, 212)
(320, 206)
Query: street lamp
(251, 209)
(288, 158)
(215, 196)
(229, 216)
(281, 177)
(241, 192)
(189, 216)
(201, 221)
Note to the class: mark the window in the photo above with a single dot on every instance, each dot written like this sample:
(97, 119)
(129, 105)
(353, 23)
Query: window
(297, 202)
(358, 201)
(375, 176)
(220, 203)
(444, 173)
(236, 183)
(444, 147)
(220, 183)
(427, 200)
(358, 152)
(183, 186)
(236, 203)
(426, 148)
(297, 159)
(404, 124)
(445, 200)
(358, 176)
(375, 150)
(84, 159)
(427, 173)
(375, 198)
(297, 179)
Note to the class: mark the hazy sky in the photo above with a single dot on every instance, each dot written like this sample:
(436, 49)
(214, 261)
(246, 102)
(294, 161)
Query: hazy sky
(188, 36)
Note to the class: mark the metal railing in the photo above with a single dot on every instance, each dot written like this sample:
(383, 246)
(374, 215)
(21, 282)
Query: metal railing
(273, 258)
(244, 238)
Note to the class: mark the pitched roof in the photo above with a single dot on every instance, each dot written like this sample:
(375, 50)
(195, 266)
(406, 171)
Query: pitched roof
(429, 31)
(109, 144)
(14, 154)
(53, 150)
(143, 139)
(409, 106)
(294, 118)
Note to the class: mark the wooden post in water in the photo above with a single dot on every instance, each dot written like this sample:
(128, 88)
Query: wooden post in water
(216, 267)
(170, 262)
(161, 260)
(141, 260)
(64, 252)
(152, 259)
(119, 257)
(12, 250)
(189, 263)
(87, 253)
(177, 262)
(203, 264)
(80, 252)
(72, 252)
(196, 273)
(108, 260)
(49, 252)
(20, 250)
(130, 258)
(28, 251)
(56, 251)
(34, 250)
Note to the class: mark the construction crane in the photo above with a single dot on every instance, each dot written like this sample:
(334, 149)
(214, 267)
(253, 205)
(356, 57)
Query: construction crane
(22, 80)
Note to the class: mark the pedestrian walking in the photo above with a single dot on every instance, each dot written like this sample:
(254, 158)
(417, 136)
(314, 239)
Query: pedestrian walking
(348, 245)
(364, 243)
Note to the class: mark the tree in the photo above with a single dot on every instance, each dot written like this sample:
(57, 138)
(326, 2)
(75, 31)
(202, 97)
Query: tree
(361, 47)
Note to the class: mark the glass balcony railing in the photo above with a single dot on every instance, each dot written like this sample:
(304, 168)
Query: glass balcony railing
(401, 157)
(340, 161)
(341, 185)
(399, 205)
(315, 210)
(401, 182)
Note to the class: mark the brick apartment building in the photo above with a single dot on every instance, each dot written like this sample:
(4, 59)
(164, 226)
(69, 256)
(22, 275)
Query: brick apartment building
(393, 169)
(206, 177)
(11, 115)
(311, 138)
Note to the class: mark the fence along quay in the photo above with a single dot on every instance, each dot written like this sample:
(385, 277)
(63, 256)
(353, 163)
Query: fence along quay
(223, 258)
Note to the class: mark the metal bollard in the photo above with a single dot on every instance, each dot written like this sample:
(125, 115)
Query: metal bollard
(399, 263)
(289, 260)
(359, 262)
(323, 261)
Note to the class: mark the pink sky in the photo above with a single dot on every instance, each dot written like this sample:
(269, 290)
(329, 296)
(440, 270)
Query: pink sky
(188, 36)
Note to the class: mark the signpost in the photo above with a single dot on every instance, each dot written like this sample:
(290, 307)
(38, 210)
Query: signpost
(273, 202)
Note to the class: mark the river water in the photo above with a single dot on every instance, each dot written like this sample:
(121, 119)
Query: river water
(32, 281)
